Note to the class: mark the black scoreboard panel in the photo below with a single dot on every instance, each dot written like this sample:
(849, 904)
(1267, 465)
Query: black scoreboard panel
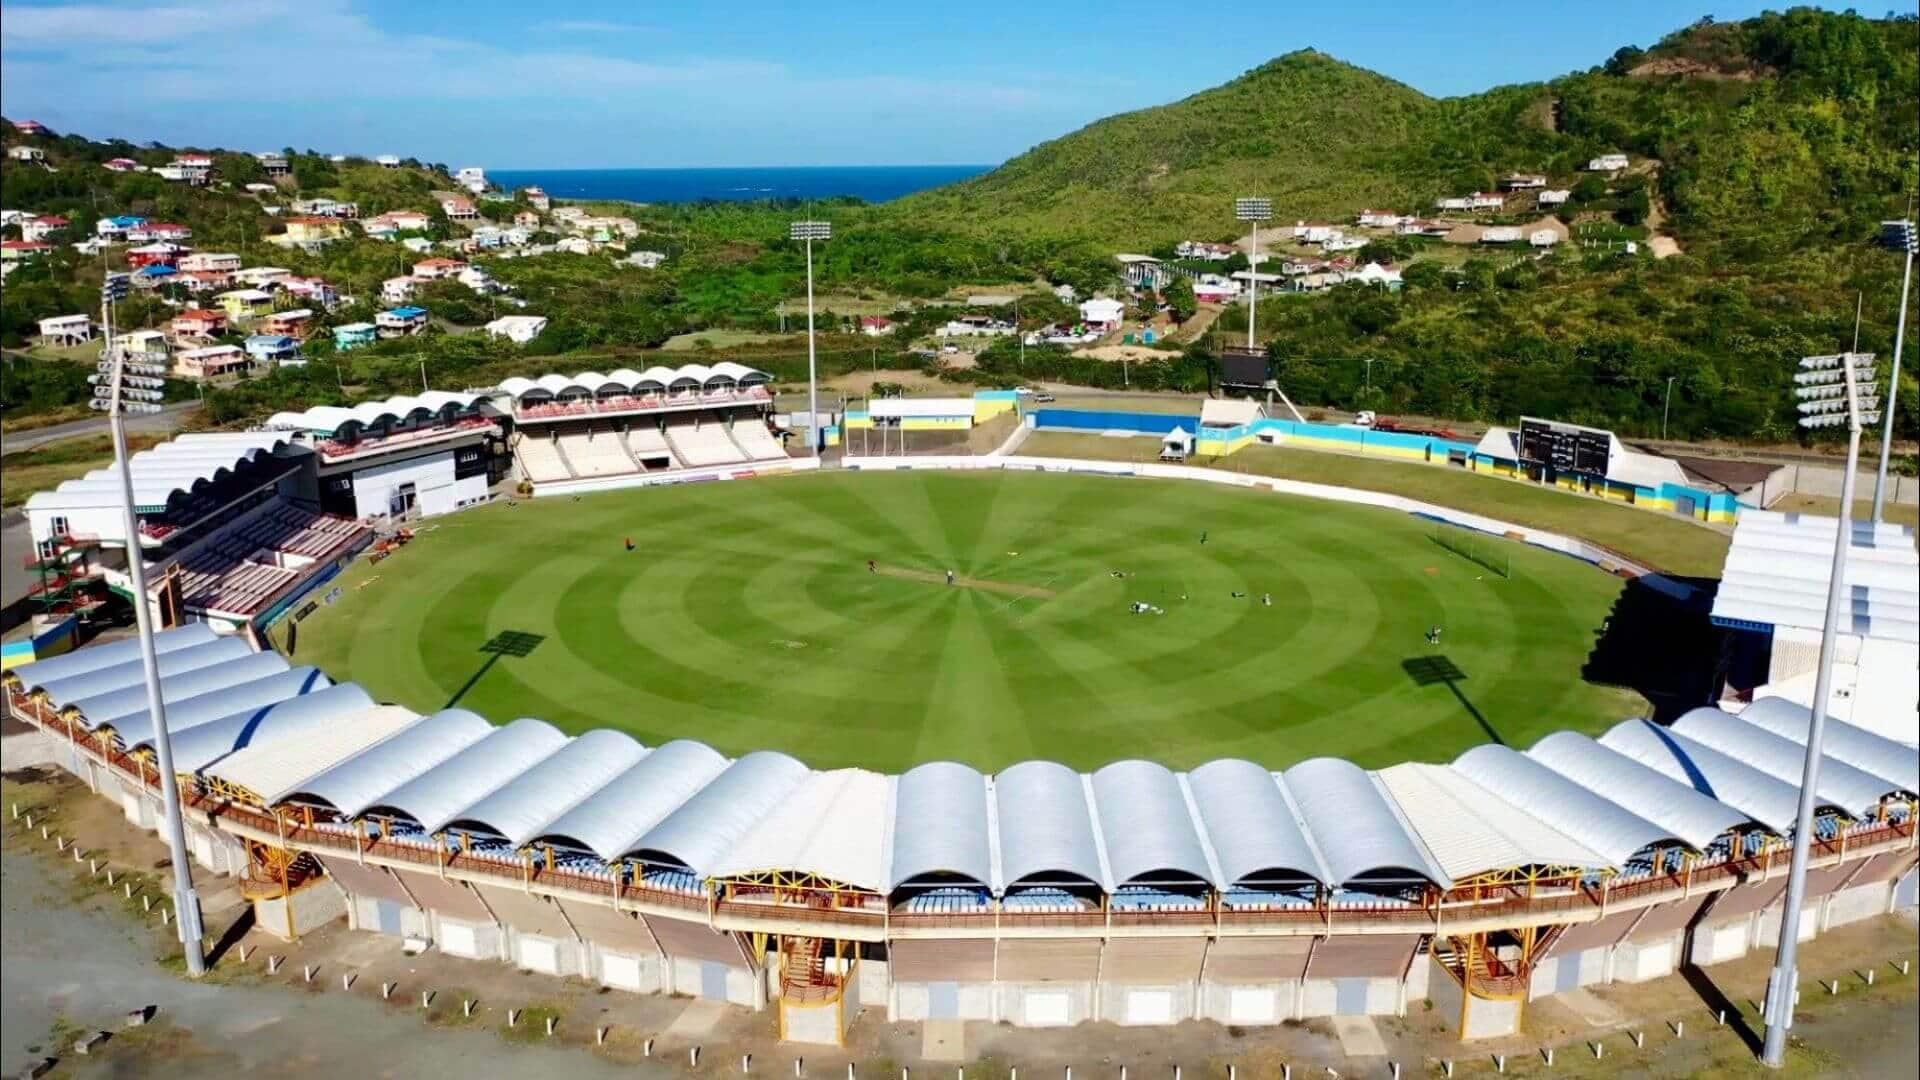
(1243, 367)
(1565, 447)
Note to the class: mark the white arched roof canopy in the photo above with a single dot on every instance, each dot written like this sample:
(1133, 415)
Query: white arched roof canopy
(111, 709)
(940, 825)
(432, 798)
(699, 833)
(832, 825)
(1355, 826)
(94, 657)
(1783, 759)
(135, 731)
(294, 718)
(518, 809)
(1257, 833)
(1046, 829)
(654, 378)
(1766, 799)
(85, 690)
(1614, 832)
(611, 820)
(1666, 802)
(1854, 745)
(351, 785)
(1147, 825)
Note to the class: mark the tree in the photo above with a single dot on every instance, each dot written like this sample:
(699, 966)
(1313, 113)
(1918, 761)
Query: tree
(1590, 189)
(1625, 59)
(1181, 303)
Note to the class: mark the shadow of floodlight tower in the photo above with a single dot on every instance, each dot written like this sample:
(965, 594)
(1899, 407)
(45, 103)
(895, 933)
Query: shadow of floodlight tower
(1440, 670)
(517, 644)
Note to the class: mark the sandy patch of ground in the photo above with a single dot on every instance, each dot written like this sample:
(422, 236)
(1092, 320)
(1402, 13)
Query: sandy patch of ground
(931, 577)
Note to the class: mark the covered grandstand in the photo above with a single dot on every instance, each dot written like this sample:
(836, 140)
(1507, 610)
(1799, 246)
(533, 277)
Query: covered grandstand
(1036, 895)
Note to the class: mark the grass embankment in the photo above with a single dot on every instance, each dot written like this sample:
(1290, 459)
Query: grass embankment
(48, 466)
(1667, 543)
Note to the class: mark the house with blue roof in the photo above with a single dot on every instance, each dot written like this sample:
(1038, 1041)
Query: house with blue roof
(273, 348)
(400, 322)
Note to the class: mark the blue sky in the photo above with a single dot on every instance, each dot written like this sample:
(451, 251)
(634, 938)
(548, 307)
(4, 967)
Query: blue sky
(592, 84)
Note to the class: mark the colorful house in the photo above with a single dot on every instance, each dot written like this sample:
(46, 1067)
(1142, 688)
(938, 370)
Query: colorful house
(354, 335)
(312, 229)
(400, 321)
(242, 305)
(272, 348)
(211, 361)
(198, 325)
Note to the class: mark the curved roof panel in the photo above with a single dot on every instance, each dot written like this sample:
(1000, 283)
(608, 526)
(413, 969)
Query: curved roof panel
(700, 831)
(655, 375)
(269, 770)
(297, 718)
(110, 709)
(328, 419)
(612, 819)
(135, 731)
(94, 657)
(1254, 827)
(940, 824)
(1355, 825)
(1146, 824)
(1783, 759)
(170, 469)
(1852, 744)
(1666, 802)
(1766, 799)
(521, 807)
(832, 825)
(1472, 831)
(433, 797)
(352, 784)
(516, 386)
(1045, 825)
(90, 686)
(1613, 831)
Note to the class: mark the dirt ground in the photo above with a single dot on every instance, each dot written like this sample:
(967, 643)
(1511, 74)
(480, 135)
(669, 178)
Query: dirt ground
(1005, 588)
(80, 955)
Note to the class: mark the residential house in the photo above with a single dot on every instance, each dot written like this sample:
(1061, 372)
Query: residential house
(245, 305)
(211, 362)
(1522, 182)
(66, 330)
(224, 262)
(1543, 238)
(310, 230)
(876, 325)
(40, 228)
(538, 199)
(400, 321)
(1384, 276)
(399, 221)
(311, 289)
(327, 208)
(275, 164)
(193, 169)
(479, 281)
(354, 335)
(203, 281)
(387, 161)
(261, 277)
(526, 219)
(1214, 289)
(1380, 219)
(645, 260)
(1344, 243)
(257, 188)
(487, 238)
(1102, 313)
(518, 329)
(145, 346)
(1500, 234)
(457, 207)
(1607, 163)
(160, 254)
(569, 214)
(603, 229)
(397, 290)
(120, 164)
(419, 245)
(13, 217)
(198, 324)
(1485, 200)
(30, 127)
(1195, 249)
(574, 245)
(26, 153)
(472, 177)
(91, 246)
(1413, 226)
(1065, 293)
(154, 275)
(429, 269)
(155, 232)
(21, 250)
(379, 230)
(293, 323)
(116, 228)
(1545, 199)
(1315, 232)
(272, 348)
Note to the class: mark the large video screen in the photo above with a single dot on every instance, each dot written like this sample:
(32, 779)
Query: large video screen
(1565, 447)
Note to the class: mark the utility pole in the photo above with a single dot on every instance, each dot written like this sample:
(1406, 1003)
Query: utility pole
(1901, 236)
(121, 387)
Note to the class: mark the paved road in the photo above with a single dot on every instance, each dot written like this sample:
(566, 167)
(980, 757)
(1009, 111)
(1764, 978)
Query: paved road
(171, 418)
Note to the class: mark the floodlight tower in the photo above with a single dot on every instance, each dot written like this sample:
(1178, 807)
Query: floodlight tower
(1900, 236)
(1254, 210)
(1833, 390)
(809, 231)
(124, 386)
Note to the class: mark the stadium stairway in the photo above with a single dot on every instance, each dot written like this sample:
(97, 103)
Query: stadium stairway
(1492, 976)
(803, 970)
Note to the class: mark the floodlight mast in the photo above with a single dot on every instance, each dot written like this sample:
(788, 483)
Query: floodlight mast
(109, 397)
(809, 231)
(1900, 236)
(1830, 393)
(1254, 210)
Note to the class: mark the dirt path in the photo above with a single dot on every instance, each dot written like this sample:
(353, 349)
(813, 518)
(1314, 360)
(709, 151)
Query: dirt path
(1661, 245)
(1005, 588)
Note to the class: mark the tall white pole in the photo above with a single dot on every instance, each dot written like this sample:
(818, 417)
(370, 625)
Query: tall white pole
(186, 904)
(1782, 983)
(813, 378)
(1667, 409)
(1253, 278)
(1893, 394)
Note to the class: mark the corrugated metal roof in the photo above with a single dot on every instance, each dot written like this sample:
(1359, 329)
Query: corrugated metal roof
(269, 770)
(517, 386)
(1666, 802)
(518, 809)
(297, 719)
(698, 833)
(1783, 759)
(87, 691)
(1254, 828)
(833, 824)
(330, 418)
(432, 798)
(1613, 831)
(1779, 566)
(136, 731)
(940, 824)
(1045, 828)
(106, 654)
(174, 468)
(352, 785)
(115, 708)
(1354, 825)
(1850, 743)
(1766, 799)
(610, 821)
(1471, 831)
(1146, 824)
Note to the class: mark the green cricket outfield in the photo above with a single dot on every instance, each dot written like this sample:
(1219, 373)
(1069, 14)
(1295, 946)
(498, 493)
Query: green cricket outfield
(746, 616)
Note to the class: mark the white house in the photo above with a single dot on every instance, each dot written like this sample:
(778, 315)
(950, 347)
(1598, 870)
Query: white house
(574, 245)
(1543, 238)
(473, 178)
(27, 153)
(1522, 182)
(1552, 198)
(396, 290)
(1380, 219)
(66, 330)
(36, 229)
(518, 329)
(1373, 273)
(1313, 232)
(479, 281)
(1344, 243)
(261, 276)
(219, 262)
(1102, 312)
(388, 161)
(1501, 234)
(1213, 289)
(1607, 163)
(646, 260)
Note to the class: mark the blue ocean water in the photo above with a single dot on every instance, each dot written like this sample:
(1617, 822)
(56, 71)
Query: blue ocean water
(873, 183)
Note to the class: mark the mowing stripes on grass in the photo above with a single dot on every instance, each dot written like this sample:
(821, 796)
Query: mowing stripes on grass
(747, 618)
